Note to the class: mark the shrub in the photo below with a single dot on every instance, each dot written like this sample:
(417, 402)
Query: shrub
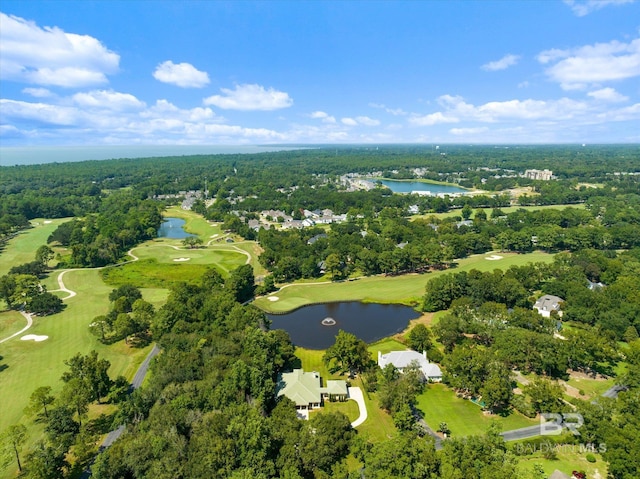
(590, 457)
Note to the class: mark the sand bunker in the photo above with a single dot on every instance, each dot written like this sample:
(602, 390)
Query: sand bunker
(273, 298)
(181, 259)
(33, 337)
(213, 236)
(46, 222)
(494, 257)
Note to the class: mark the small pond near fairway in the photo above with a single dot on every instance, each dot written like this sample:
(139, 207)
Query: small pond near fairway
(172, 228)
(316, 326)
(409, 186)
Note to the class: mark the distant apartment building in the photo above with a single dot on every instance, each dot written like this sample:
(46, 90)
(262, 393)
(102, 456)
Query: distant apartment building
(544, 175)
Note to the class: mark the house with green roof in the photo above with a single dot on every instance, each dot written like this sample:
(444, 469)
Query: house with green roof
(306, 391)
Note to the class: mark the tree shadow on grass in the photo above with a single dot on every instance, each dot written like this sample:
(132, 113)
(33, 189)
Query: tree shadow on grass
(103, 424)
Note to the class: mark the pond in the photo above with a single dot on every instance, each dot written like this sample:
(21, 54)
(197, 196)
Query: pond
(316, 326)
(172, 228)
(409, 186)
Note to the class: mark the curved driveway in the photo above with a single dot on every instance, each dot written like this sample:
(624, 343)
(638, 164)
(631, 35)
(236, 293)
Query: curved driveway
(355, 393)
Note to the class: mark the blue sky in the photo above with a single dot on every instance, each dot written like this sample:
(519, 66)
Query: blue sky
(243, 72)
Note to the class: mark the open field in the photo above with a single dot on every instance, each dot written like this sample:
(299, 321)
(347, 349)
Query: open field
(407, 289)
(22, 248)
(464, 418)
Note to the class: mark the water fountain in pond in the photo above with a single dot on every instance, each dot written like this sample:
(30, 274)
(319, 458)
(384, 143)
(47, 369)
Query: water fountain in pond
(328, 322)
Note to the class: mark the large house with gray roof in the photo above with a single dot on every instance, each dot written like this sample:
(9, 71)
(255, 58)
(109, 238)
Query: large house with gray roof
(547, 304)
(404, 359)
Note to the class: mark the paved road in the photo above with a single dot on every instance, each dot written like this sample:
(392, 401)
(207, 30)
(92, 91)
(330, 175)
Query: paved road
(135, 384)
(523, 433)
(613, 391)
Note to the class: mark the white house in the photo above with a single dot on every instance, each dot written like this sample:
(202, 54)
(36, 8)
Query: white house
(547, 304)
(403, 359)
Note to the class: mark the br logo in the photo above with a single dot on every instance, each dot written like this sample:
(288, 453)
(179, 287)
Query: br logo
(551, 424)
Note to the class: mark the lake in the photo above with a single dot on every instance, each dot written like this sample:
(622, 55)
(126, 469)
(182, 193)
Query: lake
(172, 228)
(316, 326)
(409, 186)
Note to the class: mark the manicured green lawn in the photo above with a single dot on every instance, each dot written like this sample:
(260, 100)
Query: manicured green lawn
(311, 360)
(399, 289)
(10, 322)
(464, 418)
(156, 296)
(161, 265)
(385, 346)
(570, 459)
(379, 425)
(591, 387)
(22, 248)
(348, 408)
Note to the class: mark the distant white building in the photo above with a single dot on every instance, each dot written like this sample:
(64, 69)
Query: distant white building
(404, 359)
(547, 304)
(544, 175)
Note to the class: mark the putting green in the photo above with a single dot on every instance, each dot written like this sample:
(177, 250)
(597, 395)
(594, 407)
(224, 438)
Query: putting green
(407, 289)
(161, 264)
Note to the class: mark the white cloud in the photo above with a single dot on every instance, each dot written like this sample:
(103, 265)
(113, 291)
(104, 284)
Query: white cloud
(50, 56)
(502, 64)
(321, 115)
(183, 75)
(392, 111)
(582, 8)
(577, 68)
(37, 92)
(39, 112)
(456, 110)
(608, 94)
(468, 131)
(110, 100)
(365, 120)
(433, 119)
(250, 97)
(360, 120)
